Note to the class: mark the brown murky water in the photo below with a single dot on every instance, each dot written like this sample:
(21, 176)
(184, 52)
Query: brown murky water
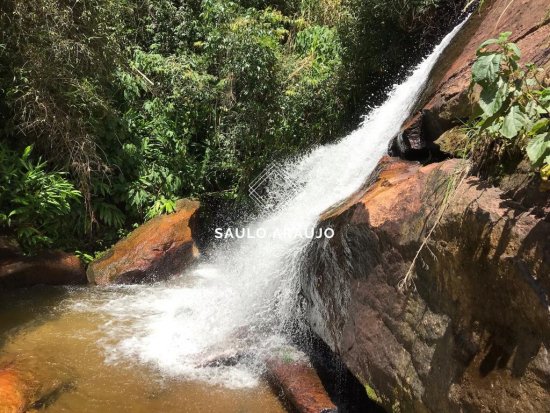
(62, 346)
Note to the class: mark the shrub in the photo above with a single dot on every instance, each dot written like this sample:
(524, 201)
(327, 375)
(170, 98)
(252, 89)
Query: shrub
(33, 199)
(514, 107)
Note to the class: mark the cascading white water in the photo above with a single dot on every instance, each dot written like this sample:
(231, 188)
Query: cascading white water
(252, 283)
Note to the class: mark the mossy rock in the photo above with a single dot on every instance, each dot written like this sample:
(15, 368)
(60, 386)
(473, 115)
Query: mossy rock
(453, 142)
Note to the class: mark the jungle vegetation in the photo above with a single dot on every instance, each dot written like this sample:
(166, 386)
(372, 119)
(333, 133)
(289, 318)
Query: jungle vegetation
(111, 110)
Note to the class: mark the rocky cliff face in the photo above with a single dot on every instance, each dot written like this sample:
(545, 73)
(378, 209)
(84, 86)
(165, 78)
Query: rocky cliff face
(472, 331)
(448, 102)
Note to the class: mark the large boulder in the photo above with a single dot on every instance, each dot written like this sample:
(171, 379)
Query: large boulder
(448, 101)
(471, 333)
(159, 248)
(50, 268)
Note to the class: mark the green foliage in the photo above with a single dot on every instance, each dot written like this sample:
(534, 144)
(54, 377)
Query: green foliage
(478, 3)
(55, 75)
(514, 103)
(323, 12)
(33, 199)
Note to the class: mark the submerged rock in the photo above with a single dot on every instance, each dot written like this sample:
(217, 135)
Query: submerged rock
(229, 352)
(12, 392)
(21, 391)
(230, 357)
(51, 268)
(159, 248)
(472, 332)
(300, 385)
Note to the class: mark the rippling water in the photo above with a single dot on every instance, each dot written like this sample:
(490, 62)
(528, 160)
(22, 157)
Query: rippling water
(60, 345)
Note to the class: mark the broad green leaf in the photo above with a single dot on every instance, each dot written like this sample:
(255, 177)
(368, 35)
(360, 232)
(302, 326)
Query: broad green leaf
(538, 148)
(533, 109)
(539, 125)
(486, 43)
(486, 68)
(492, 97)
(544, 96)
(514, 49)
(514, 121)
(502, 37)
(493, 128)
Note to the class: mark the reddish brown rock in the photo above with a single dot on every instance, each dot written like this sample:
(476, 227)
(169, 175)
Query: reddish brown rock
(472, 333)
(300, 385)
(528, 20)
(449, 103)
(21, 391)
(159, 248)
(12, 392)
(51, 268)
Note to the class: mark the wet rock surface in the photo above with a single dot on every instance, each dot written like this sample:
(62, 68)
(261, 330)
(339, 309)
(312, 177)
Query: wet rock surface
(300, 385)
(12, 392)
(49, 268)
(472, 333)
(159, 248)
(21, 391)
(415, 142)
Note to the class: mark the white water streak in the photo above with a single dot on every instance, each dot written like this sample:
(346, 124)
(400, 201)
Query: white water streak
(252, 284)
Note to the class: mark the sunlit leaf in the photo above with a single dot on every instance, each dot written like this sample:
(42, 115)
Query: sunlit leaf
(514, 121)
(486, 68)
(492, 97)
(538, 148)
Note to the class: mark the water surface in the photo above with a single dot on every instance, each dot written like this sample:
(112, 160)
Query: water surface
(71, 347)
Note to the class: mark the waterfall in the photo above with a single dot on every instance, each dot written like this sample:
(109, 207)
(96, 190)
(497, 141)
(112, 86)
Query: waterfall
(245, 294)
